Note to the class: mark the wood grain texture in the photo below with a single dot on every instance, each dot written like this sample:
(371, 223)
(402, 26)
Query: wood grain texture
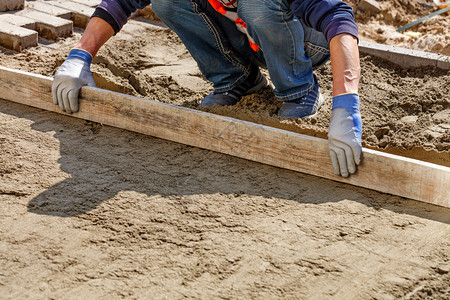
(379, 171)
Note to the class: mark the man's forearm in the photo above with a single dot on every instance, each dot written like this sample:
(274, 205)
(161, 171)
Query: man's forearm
(345, 64)
(96, 34)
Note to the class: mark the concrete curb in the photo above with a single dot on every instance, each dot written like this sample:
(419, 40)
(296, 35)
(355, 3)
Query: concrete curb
(405, 58)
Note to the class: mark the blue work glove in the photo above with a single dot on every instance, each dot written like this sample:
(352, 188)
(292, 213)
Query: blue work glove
(344, 134)
(73, 74)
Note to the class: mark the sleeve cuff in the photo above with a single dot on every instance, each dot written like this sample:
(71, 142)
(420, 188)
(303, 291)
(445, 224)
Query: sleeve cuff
(348, 101)
(115, 11)
(339, 26)
(81, 54)
(102, 14)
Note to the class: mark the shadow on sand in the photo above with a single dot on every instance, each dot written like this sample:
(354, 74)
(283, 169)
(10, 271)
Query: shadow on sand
(103, 161)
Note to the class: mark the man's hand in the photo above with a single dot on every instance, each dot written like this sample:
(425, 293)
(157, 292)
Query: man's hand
(344, 134)
(73, 74)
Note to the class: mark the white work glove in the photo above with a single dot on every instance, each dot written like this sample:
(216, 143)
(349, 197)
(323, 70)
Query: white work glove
(73, 74)
(344, 134)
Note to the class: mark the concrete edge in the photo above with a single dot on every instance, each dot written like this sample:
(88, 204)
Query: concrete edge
(406, 58)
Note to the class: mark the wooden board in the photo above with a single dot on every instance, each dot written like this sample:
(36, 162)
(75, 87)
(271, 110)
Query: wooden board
(379, 171)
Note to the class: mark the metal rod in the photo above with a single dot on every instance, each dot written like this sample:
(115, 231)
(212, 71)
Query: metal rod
(441, 11)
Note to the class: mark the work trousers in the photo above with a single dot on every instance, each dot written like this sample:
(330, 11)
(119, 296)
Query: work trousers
(289, 49)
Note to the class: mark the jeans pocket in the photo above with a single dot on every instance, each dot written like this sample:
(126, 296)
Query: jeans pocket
(318, 54)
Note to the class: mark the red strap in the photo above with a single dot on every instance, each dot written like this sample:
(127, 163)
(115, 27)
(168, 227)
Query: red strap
(218, 6)
(240, 22)
(254, 46)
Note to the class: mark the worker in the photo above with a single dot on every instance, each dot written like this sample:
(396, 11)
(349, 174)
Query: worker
(231, 39)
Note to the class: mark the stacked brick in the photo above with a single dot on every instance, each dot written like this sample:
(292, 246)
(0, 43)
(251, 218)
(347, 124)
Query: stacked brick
(7, 5)
(22, 22)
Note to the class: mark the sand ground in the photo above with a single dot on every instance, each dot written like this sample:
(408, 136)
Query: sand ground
(90, 211)
(432, 35)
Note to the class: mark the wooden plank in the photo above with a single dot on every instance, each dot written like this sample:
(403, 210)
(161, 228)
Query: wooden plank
(379, 171)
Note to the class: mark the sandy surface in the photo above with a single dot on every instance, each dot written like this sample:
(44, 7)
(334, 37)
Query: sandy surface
(90, 211)
(432, 35)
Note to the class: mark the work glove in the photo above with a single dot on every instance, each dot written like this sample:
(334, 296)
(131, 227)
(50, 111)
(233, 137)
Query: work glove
(73, 74)
(344, 134)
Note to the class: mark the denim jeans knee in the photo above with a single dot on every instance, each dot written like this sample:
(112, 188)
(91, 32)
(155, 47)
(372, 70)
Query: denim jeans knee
(163, 8)
(213, 40)
(225, 58)
(290, 49)
(316, 46)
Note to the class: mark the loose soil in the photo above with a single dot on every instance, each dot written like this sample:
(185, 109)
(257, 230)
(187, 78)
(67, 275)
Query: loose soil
(432, 35)
(90, 211)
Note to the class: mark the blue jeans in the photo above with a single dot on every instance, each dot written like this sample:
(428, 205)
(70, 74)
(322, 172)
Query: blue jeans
(288, 49)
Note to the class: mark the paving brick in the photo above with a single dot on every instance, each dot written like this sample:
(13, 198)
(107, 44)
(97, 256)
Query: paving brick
(369, 5)
(48, 26)
(50, 9)
(6, 5)
(17, 38)
(18, 20)
(91, 3)
(81, 14)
